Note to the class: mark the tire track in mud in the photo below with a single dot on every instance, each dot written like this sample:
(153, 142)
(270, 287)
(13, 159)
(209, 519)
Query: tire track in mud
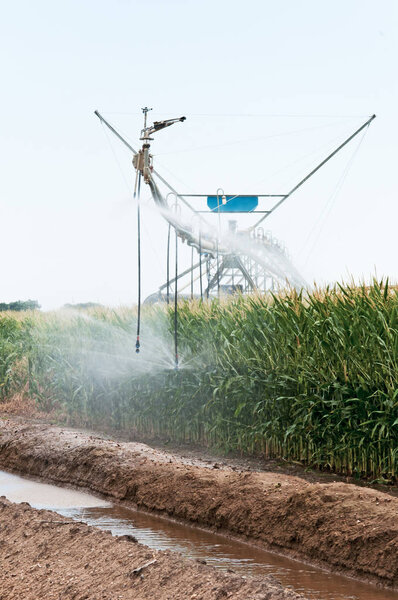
(348, 529)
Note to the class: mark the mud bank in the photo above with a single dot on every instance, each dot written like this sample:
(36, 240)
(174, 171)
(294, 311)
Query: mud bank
(346, 528)
(44, 555)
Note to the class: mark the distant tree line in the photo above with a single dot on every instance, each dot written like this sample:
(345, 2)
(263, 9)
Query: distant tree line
(20, 305)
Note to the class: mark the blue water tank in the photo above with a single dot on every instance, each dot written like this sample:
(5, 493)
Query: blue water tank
(225, 204)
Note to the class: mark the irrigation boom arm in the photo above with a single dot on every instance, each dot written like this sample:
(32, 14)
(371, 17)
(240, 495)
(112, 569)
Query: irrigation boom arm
(209, 242)
(125, 142)
(296, 187)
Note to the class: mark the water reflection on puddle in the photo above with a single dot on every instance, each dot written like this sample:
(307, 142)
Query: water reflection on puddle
(161, 534)
(44, 495)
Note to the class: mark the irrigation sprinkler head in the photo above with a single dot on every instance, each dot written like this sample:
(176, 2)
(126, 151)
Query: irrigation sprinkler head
(147, 132)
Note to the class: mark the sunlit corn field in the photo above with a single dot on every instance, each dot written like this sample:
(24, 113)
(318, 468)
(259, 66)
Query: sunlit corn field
(311, 378)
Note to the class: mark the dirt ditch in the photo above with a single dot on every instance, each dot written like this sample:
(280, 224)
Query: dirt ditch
(349, 529)
(43, 555)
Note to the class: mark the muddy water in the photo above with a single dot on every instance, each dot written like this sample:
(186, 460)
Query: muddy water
(162, 534)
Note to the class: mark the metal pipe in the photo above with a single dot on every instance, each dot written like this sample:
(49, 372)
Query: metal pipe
(296, 187)
(101, 118)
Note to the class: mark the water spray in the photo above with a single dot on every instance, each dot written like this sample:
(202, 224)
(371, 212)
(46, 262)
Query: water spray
(247, 261)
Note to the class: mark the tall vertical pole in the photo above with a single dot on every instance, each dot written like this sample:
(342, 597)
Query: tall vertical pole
(137, 343)
(176, 359)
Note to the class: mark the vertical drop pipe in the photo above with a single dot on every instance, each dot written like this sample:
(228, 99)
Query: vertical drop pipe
(192, 273)
(176, 362)
(218, 238)
(168, 266)
(137, 343)
(200, 264)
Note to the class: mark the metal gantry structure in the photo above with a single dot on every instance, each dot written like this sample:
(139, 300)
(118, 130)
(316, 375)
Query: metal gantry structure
(243, 261)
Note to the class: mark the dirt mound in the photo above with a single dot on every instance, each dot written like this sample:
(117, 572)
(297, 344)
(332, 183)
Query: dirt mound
(344, 527)
(43, 555)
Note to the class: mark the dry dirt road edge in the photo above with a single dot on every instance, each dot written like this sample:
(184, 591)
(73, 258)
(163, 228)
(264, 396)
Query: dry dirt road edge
(343, 527)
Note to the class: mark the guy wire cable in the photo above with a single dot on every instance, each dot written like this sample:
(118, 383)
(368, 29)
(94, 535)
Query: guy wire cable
(320, 222)
(250, 140)
(137, 343)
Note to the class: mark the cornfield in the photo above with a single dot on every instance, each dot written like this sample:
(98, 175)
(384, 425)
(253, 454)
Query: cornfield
(311, 378)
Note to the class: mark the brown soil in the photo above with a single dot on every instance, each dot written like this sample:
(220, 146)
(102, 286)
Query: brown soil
(43, 555)
(25, 410)
(349, 529)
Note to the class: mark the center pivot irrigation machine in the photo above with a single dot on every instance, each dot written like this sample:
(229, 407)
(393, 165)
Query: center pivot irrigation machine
(237, 261)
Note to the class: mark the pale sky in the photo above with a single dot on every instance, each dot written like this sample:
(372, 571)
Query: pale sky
(268, 88)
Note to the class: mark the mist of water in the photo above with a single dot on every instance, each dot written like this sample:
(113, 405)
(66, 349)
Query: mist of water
(101, 345)
(264, 250)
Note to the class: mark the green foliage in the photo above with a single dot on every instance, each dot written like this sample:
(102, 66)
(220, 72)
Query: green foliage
(20, 305)
(305, 377)
(15, 338)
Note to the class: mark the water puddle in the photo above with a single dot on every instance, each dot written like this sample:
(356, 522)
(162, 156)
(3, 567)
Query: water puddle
(44, 495)
(162, 534)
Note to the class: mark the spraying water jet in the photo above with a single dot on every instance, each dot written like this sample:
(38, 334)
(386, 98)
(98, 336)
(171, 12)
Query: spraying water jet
(238, 261)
